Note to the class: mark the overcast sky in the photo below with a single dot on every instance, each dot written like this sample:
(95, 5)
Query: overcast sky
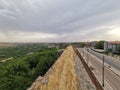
(59, 20)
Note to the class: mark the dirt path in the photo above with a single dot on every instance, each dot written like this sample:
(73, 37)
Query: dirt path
(6, 59)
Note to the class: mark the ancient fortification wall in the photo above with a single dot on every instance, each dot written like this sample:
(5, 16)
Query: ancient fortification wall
(61, 76)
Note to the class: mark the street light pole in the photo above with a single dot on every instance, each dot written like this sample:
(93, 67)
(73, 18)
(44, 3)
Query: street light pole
(83, 52)
(87, 57)
(103, 71)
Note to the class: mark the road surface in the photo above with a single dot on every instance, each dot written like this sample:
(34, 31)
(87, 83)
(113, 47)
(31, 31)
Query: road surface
(110, 77)
(109, 60)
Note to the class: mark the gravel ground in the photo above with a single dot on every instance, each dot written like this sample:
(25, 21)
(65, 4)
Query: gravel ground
(85, 82)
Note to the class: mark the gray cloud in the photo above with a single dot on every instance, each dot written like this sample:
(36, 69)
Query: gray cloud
(64, 18)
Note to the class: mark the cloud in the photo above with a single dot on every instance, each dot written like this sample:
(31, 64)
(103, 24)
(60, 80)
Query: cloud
(20, 36)
(81, 19)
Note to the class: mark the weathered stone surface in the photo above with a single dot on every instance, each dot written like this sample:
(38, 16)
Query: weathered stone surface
(61, 76)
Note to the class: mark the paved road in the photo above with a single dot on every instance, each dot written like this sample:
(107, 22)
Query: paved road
(110, 77)
(111, 61)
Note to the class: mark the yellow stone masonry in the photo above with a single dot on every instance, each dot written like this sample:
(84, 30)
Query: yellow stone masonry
(61, 76)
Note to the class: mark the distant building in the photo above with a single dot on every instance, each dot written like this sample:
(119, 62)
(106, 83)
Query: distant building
(90, 44)
(53, 45)
(112, 45)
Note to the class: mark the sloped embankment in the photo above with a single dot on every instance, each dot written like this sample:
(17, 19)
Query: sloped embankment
(61, 76)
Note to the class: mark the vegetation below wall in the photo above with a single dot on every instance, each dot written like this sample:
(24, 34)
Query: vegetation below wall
(19, 73)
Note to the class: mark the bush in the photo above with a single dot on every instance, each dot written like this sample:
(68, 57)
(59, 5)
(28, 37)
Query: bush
(119, 48)
(18, 74)
(108, 51)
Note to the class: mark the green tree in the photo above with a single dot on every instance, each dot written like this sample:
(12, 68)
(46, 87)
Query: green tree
(119, 48)
(19, 73)
(100, 45)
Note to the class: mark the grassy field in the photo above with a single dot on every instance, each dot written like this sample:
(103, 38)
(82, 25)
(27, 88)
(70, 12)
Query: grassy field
(19, 50)
(2, 45)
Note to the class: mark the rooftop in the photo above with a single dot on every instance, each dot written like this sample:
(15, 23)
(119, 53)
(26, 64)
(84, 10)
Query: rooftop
(114, 42)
